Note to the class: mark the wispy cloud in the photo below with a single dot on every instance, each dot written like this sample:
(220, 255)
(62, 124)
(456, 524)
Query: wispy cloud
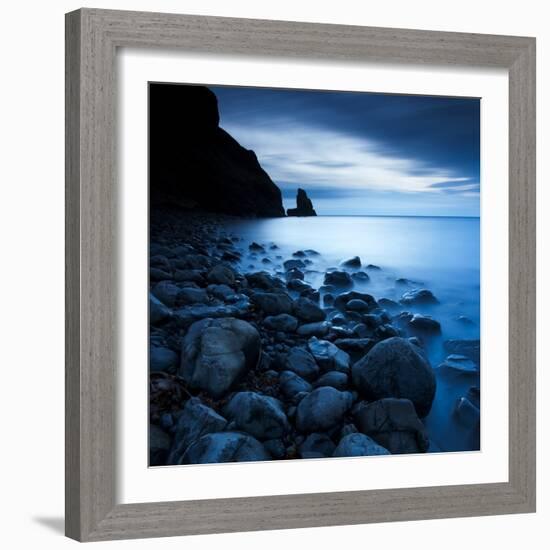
(322, 158)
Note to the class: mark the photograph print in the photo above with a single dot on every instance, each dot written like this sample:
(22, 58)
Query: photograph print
(314, 274)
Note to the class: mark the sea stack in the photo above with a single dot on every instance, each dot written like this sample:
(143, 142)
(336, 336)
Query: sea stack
(304, 206)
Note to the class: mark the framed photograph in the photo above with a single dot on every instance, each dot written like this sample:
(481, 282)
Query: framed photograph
(300, 275)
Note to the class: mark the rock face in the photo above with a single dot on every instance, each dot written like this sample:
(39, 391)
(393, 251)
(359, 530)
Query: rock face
(304, 206)
(194, 162)
(216, 352)
(396, 368)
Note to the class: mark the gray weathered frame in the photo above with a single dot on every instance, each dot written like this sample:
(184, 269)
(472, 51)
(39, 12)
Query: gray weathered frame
(92, 38)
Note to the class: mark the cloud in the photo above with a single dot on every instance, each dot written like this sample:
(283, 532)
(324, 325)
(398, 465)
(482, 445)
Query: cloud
(310, 156)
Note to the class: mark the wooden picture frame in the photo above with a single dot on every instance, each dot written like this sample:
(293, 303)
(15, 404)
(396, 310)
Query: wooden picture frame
(92, 39)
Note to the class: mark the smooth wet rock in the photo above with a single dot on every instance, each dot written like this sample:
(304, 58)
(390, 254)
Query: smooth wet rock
(293, 385)
(195, 421)
(393, 424)
(259, 415)
(354, 262)
(272, 303)
(159, 445)
(334, 379)
(458, 365)
(187, 315)
(217, 352)
(293, 264)
(372, 267)
(328, 356)
(308, 311)
(322, 409)
(358, 305)
(158, 312)
(189, 295)
(162, 359)
(264, 281)
(318, 329)
(358, 444)
(342, 300)
(360, 277)
(221, 275)
(294, 274)
(317, 445)
(221, 292)
(469, 348)
(338, 279)
(167, 292)
(419, 296)
(255, 247)
(301, 362)
(282, 322)
(297, 285)
(225, 447)
(390, 305)
(396, 368)
(355, 346)
(417, 323)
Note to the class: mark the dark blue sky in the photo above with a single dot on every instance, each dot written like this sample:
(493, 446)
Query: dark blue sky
(362, 153)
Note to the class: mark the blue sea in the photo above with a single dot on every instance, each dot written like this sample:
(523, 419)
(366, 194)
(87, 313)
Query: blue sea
(438, 253)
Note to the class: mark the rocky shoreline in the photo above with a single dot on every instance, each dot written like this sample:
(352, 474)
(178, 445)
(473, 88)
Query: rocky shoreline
(259, 365)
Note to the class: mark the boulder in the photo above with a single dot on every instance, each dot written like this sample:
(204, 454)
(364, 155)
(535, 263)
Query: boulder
(355, 346)
(334, 379)
(354, 262)
(225, 447)
(469, 348)
(297, 285)
(195, 421)
(360, 277)
(328, 356)
(259, 415)
(458, 365)
(314, 329)
(396, 368)
(308, 311)
(293, 275)
(272, 303)
(358, 305)
(191, 295)
(217, 352)
(416, 323)
(221, 275)
(221, 292)
(322, 409)
(162, 359)
(292, 385)
(338, 279)
(167, 292)
(293, 264)
(304, 206)
(158, 312)
(358, 444)
(394, 424)
(342, 300)
(282, 322)
(264, 281)
(419, 297)
(317, 446)
(187, 315)
(301, 362)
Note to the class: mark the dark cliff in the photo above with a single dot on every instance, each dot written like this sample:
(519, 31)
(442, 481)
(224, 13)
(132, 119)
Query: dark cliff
(194, 162)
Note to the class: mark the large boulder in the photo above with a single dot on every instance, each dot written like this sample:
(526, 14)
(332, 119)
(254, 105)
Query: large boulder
(334, 379)
(259, 415)
(194, 162)
(338, 279)
(322, 409)
(396, 368)
(262, 280)
(195, 421)
(358, 444)
(354, 262)
(217, 352)
(225, 447)
(342, 300)
(394, 424)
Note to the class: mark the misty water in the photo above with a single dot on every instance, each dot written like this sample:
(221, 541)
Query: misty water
(441, 254)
